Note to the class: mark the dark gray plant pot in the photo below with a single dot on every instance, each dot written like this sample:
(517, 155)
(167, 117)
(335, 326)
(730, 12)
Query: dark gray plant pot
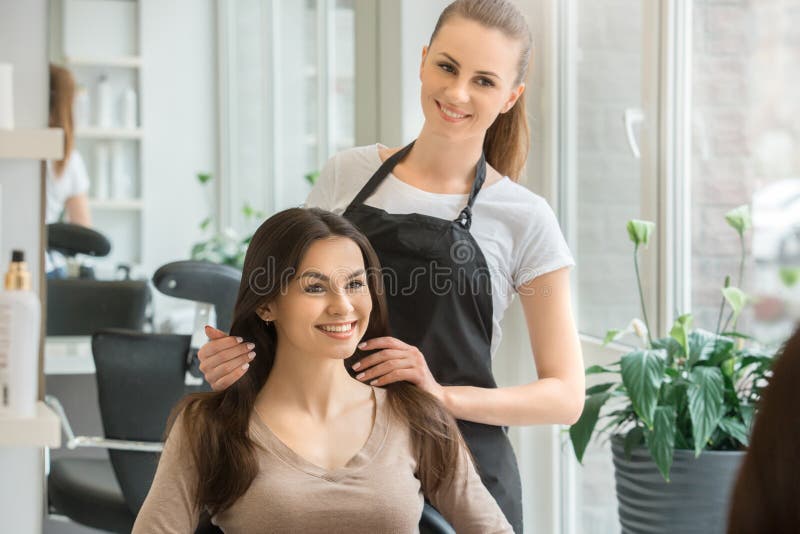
(694, 501)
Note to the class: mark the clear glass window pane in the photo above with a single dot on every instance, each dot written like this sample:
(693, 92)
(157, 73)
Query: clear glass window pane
(291, 98)
(746, 141)
(607, 175)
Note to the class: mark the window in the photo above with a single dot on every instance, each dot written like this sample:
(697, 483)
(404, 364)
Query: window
(746, 146)
(287, 99)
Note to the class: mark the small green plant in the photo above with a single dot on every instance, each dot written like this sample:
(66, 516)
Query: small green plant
(226, 246)
(693, 389)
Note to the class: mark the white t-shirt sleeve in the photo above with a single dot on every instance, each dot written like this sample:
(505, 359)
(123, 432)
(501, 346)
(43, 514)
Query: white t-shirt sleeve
(543, 248)
(78, 177)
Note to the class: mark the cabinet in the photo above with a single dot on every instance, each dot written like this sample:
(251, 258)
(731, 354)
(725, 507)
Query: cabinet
(107, 68)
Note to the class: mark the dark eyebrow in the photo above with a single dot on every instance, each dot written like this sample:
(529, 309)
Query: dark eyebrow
(482, 72)
(323, 278)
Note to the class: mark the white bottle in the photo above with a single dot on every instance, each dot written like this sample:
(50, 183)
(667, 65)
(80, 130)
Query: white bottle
(128, 106)
(121, 184)
(104, 112)
(19, 341)
(81, 107)
(101, 174)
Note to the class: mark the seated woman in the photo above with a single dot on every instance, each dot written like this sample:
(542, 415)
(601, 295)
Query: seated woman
(298, 444)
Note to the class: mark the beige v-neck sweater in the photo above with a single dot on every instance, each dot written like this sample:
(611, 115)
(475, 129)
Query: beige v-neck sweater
(377, 491)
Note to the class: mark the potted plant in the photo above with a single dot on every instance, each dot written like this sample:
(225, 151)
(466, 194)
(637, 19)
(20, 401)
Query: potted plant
(678, 411)
(226, 246)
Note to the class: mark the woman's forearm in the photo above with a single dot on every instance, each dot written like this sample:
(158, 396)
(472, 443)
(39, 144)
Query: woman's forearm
(545, 401)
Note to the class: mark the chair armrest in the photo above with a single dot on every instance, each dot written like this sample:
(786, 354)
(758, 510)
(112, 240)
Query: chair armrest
(74, 442)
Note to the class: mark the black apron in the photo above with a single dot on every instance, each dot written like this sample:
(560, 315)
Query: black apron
(438, 289)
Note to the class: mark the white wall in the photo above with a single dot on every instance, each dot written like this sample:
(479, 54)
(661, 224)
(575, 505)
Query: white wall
(23, 42)
(179, 117)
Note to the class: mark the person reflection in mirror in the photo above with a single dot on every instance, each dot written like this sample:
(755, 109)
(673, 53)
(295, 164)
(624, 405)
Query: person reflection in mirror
(67, 182)
(298, 444)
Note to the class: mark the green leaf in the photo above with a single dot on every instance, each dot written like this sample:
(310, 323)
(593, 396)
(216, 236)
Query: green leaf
(642, 374)
(247, 210)
(705, 404)
(203, 178)
(673, 348)
(735, 429)
(312, 177)
(661, 439)
(611, 335)
(736, 298)
(747, 411)
(600, 388)
(581, 432)
(739, 219)
(705, 345)
(205, 223)
(680, 332)
(640, 231)
(673, 394)
(598, 369)
(789, 276)
(634, 438)
(761, 362)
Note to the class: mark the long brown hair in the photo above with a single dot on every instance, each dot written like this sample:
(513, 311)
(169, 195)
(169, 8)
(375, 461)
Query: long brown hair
(764, 498)
(508, 138)
(218, 422)
(62, 94)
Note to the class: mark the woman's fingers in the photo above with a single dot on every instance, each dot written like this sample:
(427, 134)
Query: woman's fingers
(226, 381)
(215, 346)
(384, 368)
(378, 357)
(214, 333)
(224, 370)
(398, 375)
(220, 364)
(387, 342)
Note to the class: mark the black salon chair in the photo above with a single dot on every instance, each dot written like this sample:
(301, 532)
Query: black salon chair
(81, 306)
(140, 377)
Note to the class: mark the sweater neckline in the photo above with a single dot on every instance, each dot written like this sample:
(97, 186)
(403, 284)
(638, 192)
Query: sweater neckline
(359, 460)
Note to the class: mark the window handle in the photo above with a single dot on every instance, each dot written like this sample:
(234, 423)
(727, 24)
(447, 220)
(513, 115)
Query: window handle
(631, 117)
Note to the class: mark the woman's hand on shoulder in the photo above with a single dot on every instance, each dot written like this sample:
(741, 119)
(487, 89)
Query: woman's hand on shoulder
(224, 359)
(396, 361)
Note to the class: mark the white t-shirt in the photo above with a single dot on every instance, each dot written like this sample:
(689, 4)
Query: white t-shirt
(74, 181)
(515, 229)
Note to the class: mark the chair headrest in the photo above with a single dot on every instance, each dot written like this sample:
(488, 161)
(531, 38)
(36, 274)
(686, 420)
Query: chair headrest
(201, 281)
(72, 239)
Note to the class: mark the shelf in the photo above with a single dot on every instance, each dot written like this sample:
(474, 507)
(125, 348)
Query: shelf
(41, 430)
(32, 144)
(108, 133)
(118, 205)
(68, 355)
(130, 62)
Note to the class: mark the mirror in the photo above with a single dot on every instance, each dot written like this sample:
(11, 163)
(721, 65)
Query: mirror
(190, 122)
(188, 127)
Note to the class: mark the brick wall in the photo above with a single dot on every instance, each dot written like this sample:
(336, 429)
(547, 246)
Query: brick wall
(746, 133)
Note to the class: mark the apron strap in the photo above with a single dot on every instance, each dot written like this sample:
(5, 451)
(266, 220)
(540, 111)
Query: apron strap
(382, 172)
(464, 218)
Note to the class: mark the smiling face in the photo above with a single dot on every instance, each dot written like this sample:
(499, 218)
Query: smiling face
(468, 77)
(326, 307)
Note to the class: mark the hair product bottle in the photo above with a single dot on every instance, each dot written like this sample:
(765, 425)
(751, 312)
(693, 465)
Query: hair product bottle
(19, 341)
